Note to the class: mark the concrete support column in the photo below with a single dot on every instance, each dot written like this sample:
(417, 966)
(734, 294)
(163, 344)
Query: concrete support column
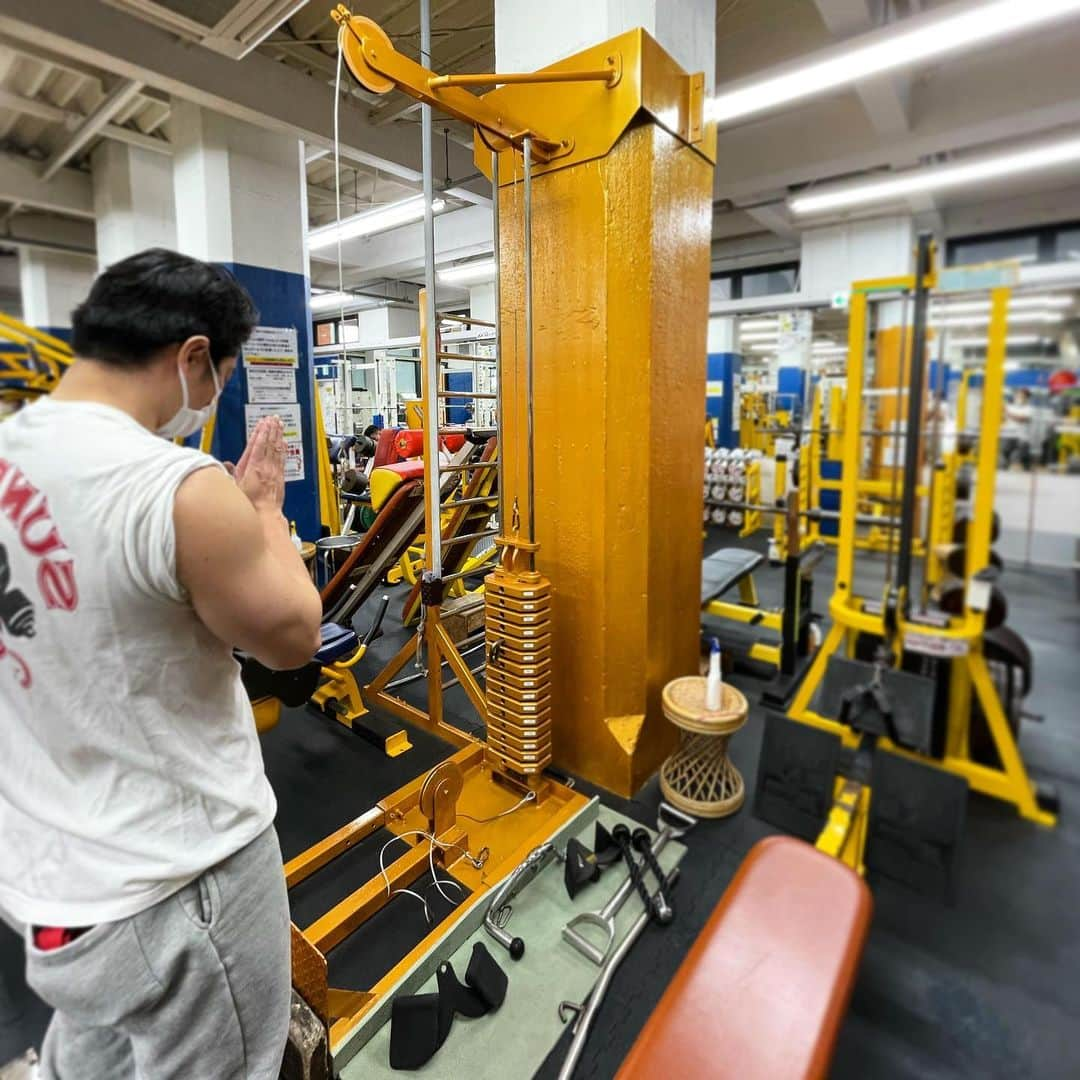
(620, 249)
(529, 35)
(53, 283)
(241, 201)
(133, 201)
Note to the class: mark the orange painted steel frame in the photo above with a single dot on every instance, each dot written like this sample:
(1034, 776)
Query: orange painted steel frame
(507, 840)
(620, 308)
(623, 192)
(622, 198)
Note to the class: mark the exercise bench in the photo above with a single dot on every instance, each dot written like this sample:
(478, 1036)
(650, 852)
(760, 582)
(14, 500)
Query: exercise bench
(764, 989)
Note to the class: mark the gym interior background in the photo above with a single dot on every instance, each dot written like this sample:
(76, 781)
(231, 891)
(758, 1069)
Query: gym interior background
(751, 333)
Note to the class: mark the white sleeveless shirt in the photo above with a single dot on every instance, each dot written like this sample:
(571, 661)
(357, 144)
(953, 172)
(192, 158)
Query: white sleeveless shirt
(129, 760)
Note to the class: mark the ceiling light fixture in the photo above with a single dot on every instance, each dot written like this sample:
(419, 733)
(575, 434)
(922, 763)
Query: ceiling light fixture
(760, 335)
(938, 177)
(1012, 339)
(1026, 317)
(470, 273)
(370, 222)
(758, 324)
(909, 41)
(1016, 303)
(327, 301)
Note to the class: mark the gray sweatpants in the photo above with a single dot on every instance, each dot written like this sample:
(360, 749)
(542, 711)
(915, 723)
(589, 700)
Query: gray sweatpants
(195, 988)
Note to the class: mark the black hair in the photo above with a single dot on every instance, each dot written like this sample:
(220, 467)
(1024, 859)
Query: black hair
(146, 302)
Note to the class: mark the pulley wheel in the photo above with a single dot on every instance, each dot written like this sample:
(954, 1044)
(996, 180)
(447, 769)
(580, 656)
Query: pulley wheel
(444, 781)
(372, 35)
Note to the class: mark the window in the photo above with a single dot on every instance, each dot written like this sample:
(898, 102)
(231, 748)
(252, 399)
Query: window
(995, 248)
(754, 281)
(407, 376)
(1068, 245)
(770, 281)
(1043, 243)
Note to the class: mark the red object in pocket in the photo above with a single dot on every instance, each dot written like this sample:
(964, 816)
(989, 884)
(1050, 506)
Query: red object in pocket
(47, 938)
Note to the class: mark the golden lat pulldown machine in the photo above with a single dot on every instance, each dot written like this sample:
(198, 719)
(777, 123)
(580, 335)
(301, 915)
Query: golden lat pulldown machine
(602, 321)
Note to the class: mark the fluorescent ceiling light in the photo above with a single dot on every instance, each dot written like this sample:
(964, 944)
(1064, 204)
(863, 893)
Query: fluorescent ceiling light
(372, 221)
(909, 41)
(1012, 339)
(1016, 303)
(1046, 317)
(758, 324)
(761, 335)
(470, 273)
(327, 301)
(938, 177)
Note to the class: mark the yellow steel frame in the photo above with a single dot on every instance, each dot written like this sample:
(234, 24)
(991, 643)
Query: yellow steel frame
(34, 364)
(964, 633)
(844, 834)
(340, 696)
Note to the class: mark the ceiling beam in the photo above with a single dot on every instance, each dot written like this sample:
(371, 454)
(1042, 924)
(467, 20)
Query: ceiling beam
(68, 192)
(775, 218)
(399, 252)
(51, 232)
(44, 110)
(257, 89)
(91, 127)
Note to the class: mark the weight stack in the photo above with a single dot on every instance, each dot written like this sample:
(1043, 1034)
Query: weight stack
(517, 612)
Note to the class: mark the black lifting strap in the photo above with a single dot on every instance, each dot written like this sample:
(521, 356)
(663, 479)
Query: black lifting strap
(420, 1023)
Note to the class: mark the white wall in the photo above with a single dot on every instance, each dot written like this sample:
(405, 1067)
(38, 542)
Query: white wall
(836, 255)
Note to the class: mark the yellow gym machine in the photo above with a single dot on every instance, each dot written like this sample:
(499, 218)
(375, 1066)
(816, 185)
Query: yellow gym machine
(31, 362)
(612, 145)
(898, 805)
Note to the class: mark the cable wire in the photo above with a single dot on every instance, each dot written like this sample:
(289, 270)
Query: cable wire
(436, 881)
(530, 797)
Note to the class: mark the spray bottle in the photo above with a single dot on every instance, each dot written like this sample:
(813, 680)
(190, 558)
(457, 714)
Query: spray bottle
(714, 682)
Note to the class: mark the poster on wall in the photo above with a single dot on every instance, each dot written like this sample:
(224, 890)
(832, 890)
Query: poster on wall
(294, 441)
(272, 345)
(270, 384)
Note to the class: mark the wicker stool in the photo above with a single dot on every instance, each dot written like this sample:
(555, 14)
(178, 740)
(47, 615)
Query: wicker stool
(698, 778)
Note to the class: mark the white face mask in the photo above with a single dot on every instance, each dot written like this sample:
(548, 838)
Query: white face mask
(186, 421)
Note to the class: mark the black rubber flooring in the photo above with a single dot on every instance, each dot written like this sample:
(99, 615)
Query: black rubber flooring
(986, 988)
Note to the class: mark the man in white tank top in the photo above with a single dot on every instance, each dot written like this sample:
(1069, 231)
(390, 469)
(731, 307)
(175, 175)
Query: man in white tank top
(135, 814)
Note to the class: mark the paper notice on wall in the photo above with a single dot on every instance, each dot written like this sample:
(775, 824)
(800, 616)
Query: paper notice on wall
(272, 345)
(294, 439)
(271, 383)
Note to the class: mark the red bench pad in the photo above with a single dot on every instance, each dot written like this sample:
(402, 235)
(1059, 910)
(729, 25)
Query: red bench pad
(763, 991)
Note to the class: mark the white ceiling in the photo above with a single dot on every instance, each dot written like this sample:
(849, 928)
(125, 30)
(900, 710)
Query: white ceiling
(56, 60)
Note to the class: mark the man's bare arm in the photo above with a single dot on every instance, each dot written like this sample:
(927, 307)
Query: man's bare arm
(234, 555)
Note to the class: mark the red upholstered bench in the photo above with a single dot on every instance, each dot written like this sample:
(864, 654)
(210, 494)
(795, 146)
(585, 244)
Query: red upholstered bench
(763, 990)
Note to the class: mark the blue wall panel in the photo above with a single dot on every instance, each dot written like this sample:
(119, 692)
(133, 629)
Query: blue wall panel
(282, 300)
(720, 372)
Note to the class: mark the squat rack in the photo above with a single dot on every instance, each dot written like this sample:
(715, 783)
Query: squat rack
(895, 619)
